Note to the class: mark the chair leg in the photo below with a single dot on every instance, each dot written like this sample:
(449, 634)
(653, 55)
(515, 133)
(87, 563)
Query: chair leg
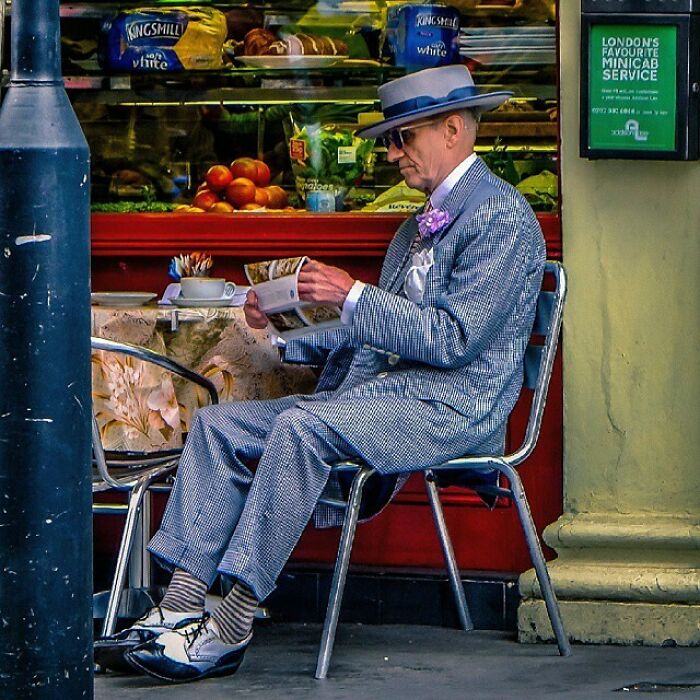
(448, 553)
(340, 573)
(139, 571)
(538, 561)
(132, 518)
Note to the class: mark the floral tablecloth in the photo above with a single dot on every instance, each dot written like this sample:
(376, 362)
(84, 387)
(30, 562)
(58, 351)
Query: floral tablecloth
(142, 407)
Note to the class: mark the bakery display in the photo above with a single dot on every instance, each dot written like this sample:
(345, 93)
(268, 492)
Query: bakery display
(257, 41)
(262, 42)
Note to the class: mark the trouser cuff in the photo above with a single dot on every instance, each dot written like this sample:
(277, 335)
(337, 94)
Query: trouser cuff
(174, 553)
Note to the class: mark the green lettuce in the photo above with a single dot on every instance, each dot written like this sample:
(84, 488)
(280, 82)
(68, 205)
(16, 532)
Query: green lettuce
(321, 145)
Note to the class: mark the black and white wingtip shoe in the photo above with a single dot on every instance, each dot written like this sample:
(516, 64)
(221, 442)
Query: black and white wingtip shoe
(190, 653)
(109, 651)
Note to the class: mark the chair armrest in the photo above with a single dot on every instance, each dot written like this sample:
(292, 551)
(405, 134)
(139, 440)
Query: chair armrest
(155, 466)
(155, 358)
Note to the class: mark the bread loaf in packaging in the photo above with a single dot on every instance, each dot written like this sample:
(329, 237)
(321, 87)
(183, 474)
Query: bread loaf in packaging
(164, 40)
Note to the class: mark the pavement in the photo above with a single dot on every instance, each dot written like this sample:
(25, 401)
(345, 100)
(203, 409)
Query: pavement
(410, 661)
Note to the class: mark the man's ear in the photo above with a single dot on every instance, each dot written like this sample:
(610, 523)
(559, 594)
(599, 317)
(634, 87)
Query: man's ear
(454, 128)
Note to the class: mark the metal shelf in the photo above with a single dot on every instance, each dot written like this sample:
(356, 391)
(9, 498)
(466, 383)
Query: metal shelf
(516, 129)
(96, 10)
(176, 88)
(167, 96)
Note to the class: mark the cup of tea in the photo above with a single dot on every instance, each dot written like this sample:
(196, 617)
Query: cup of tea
(206, 287)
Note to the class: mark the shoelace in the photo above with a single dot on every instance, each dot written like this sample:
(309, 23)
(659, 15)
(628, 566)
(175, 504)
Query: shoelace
(148, 613)
(191, 635)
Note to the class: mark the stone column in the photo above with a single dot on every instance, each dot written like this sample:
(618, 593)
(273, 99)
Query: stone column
(628, 543)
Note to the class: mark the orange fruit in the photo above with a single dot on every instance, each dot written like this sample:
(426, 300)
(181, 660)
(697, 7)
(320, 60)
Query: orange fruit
(277, 197)
(223, 208)
(262, 177)
(241, 191)
(205, 199)
(218, 177)
(262, 197)
(244, 167)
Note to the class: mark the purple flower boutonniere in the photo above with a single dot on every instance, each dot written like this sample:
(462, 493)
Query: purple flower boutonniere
(432, 222)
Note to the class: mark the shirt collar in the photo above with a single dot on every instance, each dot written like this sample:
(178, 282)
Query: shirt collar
(440, 193)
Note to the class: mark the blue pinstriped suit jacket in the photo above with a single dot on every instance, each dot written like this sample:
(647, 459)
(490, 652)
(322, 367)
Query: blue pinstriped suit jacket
(463, 345)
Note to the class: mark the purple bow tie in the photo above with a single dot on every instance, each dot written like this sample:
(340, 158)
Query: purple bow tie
(432, 222)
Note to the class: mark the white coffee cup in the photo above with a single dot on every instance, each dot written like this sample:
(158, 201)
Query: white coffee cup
(206, 288)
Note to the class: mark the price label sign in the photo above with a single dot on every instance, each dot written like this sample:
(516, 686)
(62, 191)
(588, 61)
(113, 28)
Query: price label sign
(632, 87)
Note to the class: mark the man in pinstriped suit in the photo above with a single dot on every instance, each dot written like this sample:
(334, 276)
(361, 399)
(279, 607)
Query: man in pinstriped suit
(434, 350)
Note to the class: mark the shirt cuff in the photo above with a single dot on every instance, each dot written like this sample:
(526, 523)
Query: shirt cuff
(348, 310)
(277, 342)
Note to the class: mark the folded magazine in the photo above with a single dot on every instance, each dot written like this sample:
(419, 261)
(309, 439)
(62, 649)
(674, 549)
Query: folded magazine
(275, 283)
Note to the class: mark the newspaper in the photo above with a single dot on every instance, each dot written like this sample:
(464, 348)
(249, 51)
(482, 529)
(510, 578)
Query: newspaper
(275, 283)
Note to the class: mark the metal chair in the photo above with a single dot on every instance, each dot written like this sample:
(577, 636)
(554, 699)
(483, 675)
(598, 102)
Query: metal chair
(539, 360)
(134, 473)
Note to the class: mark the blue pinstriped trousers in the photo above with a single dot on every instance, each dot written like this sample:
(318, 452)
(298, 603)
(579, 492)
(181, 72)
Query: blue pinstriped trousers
(220, 516)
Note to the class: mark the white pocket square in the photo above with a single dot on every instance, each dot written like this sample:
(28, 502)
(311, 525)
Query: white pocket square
(414, 284)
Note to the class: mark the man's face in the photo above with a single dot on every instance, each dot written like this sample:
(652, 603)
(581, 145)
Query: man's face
(421, 155)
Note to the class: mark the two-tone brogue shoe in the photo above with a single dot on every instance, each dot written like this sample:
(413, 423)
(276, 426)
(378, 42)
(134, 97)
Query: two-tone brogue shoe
(190, 653)
(109, 651)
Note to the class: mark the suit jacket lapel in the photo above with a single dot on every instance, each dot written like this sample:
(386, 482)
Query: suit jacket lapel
(457, 199)
(397, 254)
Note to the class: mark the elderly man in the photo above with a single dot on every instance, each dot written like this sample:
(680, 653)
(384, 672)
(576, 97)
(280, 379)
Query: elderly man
(437, 345)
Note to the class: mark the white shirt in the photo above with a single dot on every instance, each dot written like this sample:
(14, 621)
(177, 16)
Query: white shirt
(437, 197)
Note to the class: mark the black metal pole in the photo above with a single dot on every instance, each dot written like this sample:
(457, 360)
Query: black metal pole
(45, 398)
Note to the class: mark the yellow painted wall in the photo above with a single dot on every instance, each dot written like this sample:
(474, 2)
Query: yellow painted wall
(627, 569)
(631, 241)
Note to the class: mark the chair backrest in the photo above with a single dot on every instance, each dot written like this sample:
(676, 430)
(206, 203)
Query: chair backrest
(540, 354)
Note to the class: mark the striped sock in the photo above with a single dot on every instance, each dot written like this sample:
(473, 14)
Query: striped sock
(184, 593)
(234, 615)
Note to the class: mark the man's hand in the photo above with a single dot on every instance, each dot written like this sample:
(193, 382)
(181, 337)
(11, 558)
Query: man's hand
(254, 317)
(323, 284)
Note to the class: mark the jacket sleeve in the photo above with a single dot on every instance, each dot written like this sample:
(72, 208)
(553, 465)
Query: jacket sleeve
(313, 349)
(483, 287)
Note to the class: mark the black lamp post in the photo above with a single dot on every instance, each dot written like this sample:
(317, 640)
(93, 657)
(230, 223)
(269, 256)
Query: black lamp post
(45, 398)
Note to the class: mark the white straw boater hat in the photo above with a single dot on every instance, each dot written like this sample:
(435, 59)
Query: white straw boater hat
(428, 92)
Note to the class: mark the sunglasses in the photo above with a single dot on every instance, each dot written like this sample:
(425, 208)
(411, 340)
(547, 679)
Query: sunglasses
(402, 136)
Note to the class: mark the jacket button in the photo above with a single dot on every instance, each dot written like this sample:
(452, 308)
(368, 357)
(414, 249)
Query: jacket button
(381, 375)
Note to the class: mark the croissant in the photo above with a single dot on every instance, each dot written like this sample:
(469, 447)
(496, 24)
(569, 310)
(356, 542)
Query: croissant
(277, 48)
(257, 41)
(262, 42)
(307, 45)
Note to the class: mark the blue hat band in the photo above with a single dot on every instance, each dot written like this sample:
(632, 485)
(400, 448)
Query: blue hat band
(424, 102)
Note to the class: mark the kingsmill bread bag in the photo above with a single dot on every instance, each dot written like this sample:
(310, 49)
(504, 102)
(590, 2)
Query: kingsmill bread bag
(171, 39)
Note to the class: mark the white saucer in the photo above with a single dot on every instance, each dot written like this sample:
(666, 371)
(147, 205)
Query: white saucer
(121, 298)
(202, 303)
